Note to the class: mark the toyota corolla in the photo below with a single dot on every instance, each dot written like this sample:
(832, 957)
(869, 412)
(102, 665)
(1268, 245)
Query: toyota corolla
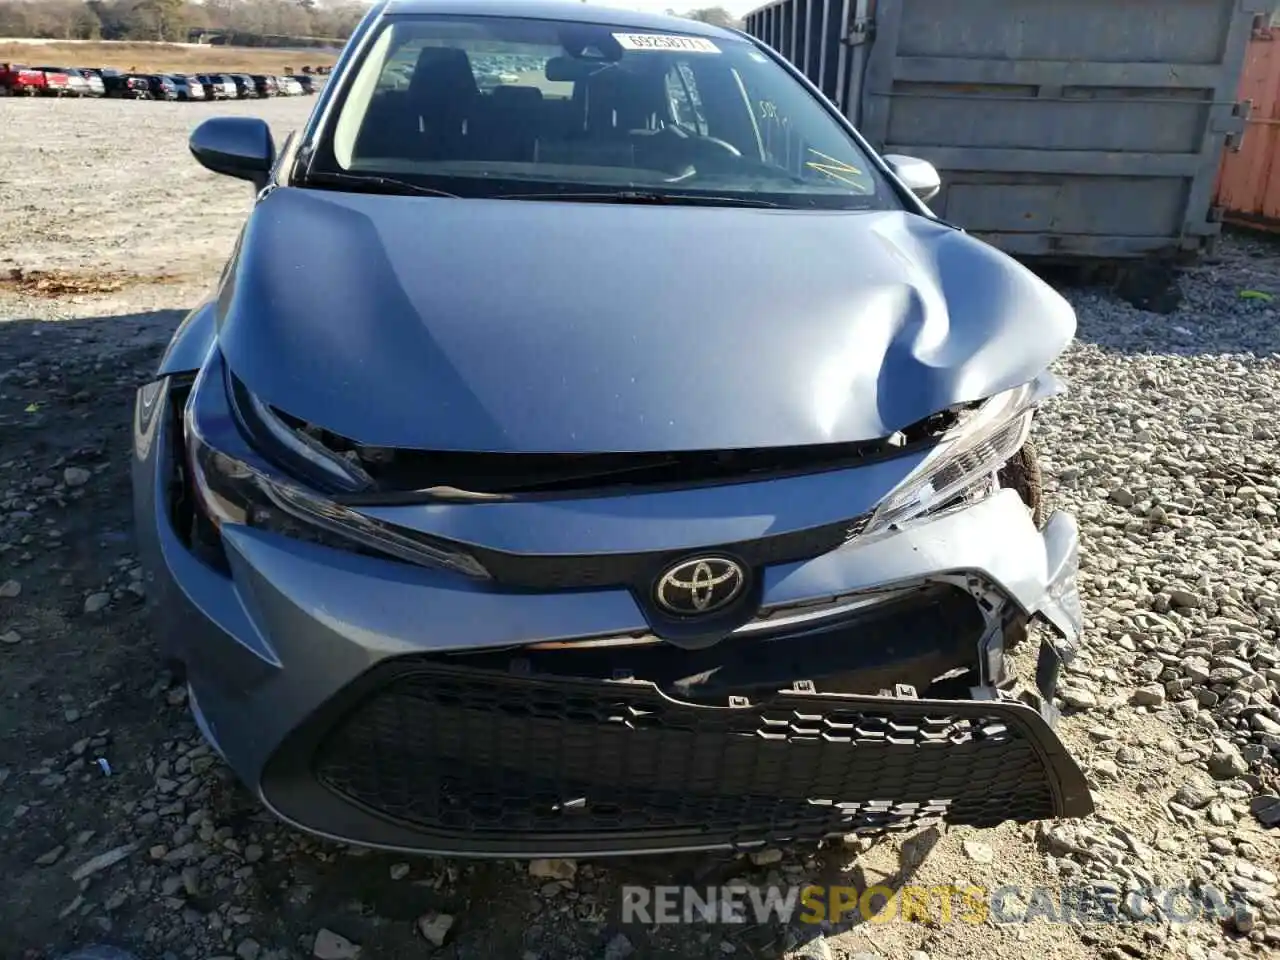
(593, 446)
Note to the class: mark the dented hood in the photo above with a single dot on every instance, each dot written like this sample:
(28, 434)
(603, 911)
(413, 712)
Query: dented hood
(530, 326)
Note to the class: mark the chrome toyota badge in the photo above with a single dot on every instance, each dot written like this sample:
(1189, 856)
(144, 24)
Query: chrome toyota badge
(699, 586)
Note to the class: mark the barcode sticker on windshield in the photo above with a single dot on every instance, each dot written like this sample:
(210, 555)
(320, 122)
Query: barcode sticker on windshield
(655, 41)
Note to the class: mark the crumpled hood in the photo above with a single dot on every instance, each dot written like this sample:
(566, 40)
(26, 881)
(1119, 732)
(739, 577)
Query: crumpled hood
(531, 326)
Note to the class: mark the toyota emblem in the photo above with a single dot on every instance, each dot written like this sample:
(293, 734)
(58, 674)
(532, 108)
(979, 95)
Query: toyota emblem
(699, 586)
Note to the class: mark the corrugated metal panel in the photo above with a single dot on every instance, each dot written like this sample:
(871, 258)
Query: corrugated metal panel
(1249, 182)
(1063, 128)
(837, 50)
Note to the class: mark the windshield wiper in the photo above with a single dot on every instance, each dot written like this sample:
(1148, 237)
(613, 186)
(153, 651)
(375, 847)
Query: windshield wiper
(371, 183)
(642, 196)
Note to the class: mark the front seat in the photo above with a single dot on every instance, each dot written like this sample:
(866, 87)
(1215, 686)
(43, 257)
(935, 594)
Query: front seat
(619, 105)
(507, 130)
(443, 94)
(612, 110)
(627, 108)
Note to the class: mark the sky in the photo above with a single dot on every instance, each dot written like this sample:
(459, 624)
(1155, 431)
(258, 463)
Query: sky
(738, 7)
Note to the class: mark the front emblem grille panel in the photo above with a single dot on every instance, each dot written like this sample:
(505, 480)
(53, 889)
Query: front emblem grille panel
(701, 586)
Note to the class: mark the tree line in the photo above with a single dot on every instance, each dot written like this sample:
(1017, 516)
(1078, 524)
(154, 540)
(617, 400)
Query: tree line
(718, 16)
(180, 20)
(177, 20)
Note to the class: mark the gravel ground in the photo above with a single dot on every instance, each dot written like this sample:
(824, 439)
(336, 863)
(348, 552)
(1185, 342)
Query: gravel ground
(1166, 450)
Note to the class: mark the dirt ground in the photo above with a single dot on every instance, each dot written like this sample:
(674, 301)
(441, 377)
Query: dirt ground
(118, 826)
(163, 57)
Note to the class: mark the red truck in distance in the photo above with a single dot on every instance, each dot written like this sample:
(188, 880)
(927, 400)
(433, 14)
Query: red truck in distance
(16, 80)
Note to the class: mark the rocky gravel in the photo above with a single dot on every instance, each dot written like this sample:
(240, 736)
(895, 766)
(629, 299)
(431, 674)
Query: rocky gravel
(119, 826)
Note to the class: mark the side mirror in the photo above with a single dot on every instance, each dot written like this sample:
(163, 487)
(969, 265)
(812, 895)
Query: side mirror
(918, 176)
(239, 147)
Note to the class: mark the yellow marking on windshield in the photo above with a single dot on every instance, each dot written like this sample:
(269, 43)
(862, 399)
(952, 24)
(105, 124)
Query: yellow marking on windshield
(843, 173)
(833, 168)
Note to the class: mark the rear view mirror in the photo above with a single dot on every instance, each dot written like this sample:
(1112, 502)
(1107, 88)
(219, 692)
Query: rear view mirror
(239, 147)
(573, 69)
(565, 70)
(919, 176)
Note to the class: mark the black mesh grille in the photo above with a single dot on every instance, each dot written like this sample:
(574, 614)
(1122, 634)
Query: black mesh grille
(489, 758)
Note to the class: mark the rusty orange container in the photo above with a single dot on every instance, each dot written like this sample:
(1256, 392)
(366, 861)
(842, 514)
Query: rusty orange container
(1249, 180)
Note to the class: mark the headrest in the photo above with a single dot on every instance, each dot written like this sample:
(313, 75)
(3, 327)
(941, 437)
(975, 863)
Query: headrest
(619, 100)
(443, 70)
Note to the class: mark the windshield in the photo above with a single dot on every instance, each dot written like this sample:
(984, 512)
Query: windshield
(495, 106)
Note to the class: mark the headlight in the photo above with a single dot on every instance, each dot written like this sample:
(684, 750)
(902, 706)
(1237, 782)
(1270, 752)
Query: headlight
(969, 453)
(246, 490)
(298, 454)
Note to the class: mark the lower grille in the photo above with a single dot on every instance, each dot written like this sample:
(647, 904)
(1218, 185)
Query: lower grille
(484, 761)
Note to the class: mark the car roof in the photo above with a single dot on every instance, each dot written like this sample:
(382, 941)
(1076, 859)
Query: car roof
(563, 11)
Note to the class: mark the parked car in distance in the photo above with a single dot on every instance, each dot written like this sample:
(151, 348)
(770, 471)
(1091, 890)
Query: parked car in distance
(17, 80)
(290, 86)
(96, 87)
(306, 82)
(213, 89)
(77, 85)
(56, 82)
(189, 88)
(162, 88)
(244, 86)
(123, 86)
(601, 592)
(265, 85)
(226, 84)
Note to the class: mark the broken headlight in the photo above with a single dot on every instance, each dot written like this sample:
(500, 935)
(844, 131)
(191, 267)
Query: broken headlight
(241, 487)
(982, 440)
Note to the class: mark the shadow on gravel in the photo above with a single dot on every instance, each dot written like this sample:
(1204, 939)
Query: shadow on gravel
(1229, 303)
(73, 685)
(118, 826)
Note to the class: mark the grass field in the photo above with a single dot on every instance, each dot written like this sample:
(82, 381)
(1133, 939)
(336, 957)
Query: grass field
(161, 57)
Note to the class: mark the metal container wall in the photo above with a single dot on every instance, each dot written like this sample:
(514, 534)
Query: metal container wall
(1249, 182)
(1064, 129)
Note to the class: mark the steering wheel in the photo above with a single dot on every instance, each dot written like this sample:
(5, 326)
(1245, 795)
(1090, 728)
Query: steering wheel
(724, 145)
(683, 134)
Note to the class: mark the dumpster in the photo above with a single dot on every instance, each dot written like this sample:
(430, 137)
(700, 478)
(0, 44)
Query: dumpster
(1067, 130)
(1249, 181)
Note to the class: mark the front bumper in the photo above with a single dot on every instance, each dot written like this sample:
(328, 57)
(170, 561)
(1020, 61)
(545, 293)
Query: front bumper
(391, 705)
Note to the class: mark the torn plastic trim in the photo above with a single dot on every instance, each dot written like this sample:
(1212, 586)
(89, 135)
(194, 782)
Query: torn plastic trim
(807, 613)
(811, 612)
(1062, 608)
(996, 609)
(1060, 611)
